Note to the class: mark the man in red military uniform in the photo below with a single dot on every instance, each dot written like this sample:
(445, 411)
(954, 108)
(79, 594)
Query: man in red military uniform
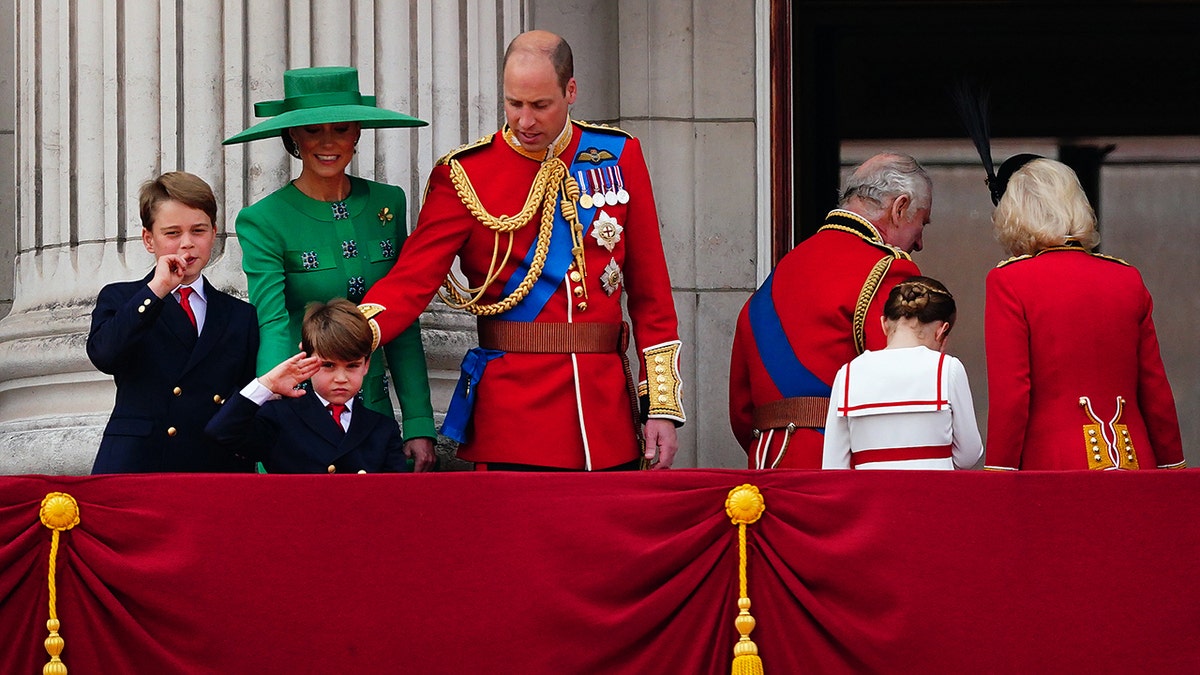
(820, 308)
(551, 220)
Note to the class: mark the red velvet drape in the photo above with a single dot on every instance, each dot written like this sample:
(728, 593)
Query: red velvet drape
(607, 573)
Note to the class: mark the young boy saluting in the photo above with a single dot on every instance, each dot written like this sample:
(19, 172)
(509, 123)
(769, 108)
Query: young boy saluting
(175, 345)
(320, 431)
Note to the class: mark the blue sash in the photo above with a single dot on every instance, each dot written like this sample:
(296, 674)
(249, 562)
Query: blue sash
(462, 402)
(789, 375)
(558, 259)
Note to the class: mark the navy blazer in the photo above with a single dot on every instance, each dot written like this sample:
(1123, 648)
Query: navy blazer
(298, 435)
(169, 382)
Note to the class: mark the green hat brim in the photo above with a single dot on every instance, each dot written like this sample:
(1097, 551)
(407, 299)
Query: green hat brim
(369, 117)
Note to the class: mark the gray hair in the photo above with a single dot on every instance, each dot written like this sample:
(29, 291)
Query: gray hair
(885, 177)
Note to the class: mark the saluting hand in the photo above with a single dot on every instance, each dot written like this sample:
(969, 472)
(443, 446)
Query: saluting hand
(283, 378)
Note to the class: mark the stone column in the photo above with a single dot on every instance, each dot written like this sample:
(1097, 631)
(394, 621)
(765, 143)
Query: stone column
(111, 93)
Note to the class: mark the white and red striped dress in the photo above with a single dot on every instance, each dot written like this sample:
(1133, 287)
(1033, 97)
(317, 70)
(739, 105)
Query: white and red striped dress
(906, 408)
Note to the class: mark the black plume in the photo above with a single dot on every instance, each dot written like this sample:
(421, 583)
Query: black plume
(972, 103)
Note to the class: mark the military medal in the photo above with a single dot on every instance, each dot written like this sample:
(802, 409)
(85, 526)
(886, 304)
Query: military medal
(622, 193)
(610, 278)
(597, 196)
(610, 194)
(607, 231)
(585, 200)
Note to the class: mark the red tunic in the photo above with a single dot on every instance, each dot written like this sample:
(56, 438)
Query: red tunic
(557, 410)
(1065, 324)
(815, 289)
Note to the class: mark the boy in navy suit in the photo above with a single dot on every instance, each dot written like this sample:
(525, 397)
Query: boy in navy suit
(326, 429)
(175, 345)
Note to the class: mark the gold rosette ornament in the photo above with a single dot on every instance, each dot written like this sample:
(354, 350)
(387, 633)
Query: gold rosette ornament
(59, 512)
(744, 506)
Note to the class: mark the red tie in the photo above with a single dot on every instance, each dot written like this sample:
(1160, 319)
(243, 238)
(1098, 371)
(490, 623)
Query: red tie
(184, 292)
(336, 409)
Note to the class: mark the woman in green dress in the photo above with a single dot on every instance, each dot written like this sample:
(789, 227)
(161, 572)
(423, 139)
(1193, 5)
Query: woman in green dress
(327, 234)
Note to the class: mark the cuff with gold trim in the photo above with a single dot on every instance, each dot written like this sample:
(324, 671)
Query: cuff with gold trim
(369, 310)
(662, 387)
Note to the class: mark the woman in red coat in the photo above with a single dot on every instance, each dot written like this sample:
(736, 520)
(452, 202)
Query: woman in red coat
(1075, 379)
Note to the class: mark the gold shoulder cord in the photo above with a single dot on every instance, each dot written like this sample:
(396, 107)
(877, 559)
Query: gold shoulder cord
(551, 178)
(865, 296)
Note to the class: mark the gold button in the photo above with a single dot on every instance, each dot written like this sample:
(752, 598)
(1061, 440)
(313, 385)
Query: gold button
(141, 309)
(171, 431)
(1091, 432)
(659, 359)
(362, 470)
(177, 391)
(661, 378)
(217, 399)
(146, 302)
(332, 469)
(581, 306)
(1094, 441)
(576, 277)
(662, 399)
(662, 387)
(578, 291)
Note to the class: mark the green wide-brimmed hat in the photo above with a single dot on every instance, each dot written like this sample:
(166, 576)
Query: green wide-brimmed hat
(324, 95)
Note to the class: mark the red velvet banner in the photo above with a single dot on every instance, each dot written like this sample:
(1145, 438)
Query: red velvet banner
(608, 573)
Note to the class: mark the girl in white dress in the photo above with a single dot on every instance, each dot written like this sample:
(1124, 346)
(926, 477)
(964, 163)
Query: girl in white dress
(907, 406)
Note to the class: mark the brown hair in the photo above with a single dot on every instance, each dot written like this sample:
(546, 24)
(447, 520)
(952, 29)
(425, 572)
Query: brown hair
(176, 186)
(923, 298)
(335, 330)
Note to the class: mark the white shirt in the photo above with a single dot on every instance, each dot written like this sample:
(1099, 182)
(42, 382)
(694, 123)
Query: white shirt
(900, 409)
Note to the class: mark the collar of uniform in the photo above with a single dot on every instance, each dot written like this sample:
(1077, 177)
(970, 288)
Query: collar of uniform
(316, 209)
(554, 150)
(841, 219)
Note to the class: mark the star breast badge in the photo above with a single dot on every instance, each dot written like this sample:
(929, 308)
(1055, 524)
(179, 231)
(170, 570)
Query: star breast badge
(607, 231)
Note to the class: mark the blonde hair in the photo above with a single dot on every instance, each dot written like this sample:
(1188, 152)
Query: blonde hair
(1044, 206)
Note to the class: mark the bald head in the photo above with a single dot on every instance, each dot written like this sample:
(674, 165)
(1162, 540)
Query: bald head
(541, 44)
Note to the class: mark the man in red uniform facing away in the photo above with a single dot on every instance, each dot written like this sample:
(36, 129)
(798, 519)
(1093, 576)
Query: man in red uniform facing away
(551, 219)
(820, 308)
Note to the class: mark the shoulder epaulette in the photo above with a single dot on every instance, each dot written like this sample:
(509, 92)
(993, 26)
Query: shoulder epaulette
(1013, 259)
(1112, 258)
(602, 128)
(464, 149)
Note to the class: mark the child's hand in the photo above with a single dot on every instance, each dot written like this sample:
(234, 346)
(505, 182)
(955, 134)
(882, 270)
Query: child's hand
(168, 273)
(283, 378)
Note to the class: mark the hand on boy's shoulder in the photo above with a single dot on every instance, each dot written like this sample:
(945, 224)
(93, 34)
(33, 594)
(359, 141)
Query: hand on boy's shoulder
(284, 378)
(169, 273)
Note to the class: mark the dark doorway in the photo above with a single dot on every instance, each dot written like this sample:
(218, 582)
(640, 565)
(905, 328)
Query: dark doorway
(865, 69)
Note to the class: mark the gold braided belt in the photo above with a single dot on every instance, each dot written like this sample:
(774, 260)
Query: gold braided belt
(551, 337)
(801, 411)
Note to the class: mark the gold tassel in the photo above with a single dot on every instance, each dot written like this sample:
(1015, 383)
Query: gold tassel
(59, 512)
(744, 505)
